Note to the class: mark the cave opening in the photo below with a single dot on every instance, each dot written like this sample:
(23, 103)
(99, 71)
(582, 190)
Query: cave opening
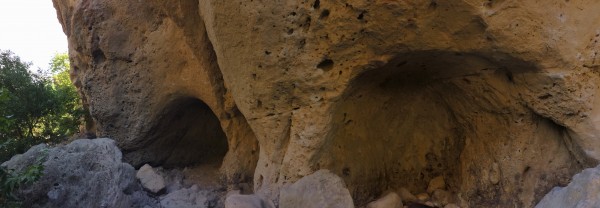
(188, 133)
(440, 114)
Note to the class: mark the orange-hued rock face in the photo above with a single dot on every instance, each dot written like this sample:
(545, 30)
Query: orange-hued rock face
(500, 98)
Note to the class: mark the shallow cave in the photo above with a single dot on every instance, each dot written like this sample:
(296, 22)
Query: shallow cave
(458, 116)
(186, 133)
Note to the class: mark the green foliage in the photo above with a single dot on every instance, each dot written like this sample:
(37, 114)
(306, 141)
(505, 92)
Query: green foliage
(69, 112)
(35, 108)
(11, 181)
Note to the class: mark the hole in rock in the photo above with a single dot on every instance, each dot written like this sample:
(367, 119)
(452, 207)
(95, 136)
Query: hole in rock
(361, 15)
(326, 65)
(188, 133)
(316, 4)
(98, 56)
(324, 14)
(405, 123)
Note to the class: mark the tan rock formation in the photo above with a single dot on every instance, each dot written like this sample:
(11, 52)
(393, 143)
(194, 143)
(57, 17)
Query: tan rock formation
(497, 97)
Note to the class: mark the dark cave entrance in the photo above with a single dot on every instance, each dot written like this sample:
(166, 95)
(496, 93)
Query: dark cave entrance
(188, 133)
(430, 114)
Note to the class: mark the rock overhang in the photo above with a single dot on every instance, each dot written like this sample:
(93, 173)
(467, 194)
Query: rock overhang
(280, 76)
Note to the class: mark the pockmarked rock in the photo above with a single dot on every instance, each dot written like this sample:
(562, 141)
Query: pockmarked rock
(436, 183)
(190, 198)
(406, 196)
(84, 173)
(247, 201)
(320, 189)
(390, 200)
(582, 191)
(150, 179)
(384, 94)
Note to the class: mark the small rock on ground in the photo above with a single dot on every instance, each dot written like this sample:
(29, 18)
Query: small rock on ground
(423, 197)
(406, 196)
(442, 197)
(451, 206)
(150, 179)
(190, 198)
(436, 183)
(390, 200)
(246, 201)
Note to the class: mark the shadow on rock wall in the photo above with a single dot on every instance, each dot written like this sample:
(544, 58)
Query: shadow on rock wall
(459, 116)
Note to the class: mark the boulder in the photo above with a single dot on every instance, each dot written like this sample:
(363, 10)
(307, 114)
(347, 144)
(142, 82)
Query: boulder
(406, 196)
(451, 206)
(84, 173)
(442, 197)
(320, 189)
(582, 191)
(423, 197)
(436, 183)
(174, 179)
(150, 179)
(190, 198)
(390, 200)
(247, 201)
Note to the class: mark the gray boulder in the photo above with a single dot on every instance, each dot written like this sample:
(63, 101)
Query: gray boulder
(150, 179)
(583, 191)
(318, 190)
(247, 201)
(84, 173)
(192, 197)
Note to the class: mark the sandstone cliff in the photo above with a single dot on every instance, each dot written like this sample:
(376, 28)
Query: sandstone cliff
(497, 97)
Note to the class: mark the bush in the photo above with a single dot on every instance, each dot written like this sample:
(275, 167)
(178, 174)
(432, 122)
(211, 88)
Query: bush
(12, 180)
(35, 108)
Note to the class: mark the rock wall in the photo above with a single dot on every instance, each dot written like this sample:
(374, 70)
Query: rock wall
(497, 97)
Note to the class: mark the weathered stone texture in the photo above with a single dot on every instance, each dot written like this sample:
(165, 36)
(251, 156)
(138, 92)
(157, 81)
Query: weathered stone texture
(84, 173)
(497, 97)
(581, 192)
(320, 189)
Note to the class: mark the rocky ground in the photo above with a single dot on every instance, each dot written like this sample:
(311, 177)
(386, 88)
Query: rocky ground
(90, 173)
(84, 173)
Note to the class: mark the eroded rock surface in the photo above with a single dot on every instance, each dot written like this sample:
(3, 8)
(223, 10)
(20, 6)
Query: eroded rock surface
(497, 97)
(246, 201)
(583, 191)
(90, 173)
(390, 200)
(190, 198)
(320, 189)
(85, 173)
(149, 179)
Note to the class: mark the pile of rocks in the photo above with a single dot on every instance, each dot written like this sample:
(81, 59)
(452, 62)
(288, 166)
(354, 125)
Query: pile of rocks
(320, 189)
(325, 189)
(436, 196)
(173, 189)
(90, 173)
